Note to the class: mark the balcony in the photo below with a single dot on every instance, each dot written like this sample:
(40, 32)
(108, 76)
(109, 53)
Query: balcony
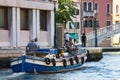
(88, 14)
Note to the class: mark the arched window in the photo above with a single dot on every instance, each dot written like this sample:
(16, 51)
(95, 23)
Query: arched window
(96, 6)
(89, 6)
(117, 9)
(85, 6)
(108, 8)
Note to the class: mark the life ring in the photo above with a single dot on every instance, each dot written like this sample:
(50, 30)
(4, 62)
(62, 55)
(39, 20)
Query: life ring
(82, 60)
(53, 62)
(47, 61)
(71, 61)
(64, 62)
(76, 59)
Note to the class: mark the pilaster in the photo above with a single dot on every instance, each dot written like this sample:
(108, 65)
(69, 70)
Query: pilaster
(12, 25)
(32, 23)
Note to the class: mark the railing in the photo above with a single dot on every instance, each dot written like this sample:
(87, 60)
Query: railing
(88, 13)
(104, 32)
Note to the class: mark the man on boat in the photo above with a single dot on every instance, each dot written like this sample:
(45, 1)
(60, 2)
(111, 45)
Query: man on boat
(37, 44)
(67, 36)
(31, 48)
(70, 46)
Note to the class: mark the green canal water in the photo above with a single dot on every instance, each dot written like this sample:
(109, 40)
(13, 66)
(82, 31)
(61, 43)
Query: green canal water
(108, 68)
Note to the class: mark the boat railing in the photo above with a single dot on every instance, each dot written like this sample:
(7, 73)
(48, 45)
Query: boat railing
(82, 51)
(38, 56)
(35, 58)
(15, 59)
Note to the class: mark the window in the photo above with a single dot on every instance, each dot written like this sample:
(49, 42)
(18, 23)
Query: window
(85, 23)
(4, 18)
(117, 22)
(97, 23)
(43, 20)
(64, 25)
(71, 25)
(77, 12)
(24, 19)
(85, 6)
(77, 25)
(117, 9)
(96, 6)
(89, 6)
(74, 25)
(108, 8)
(108, 23)
(89, 23)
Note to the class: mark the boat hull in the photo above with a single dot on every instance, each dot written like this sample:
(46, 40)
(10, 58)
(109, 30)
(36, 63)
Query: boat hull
(31, 65)
(32, 68)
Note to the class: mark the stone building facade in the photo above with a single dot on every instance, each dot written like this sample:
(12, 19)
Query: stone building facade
(24, 20)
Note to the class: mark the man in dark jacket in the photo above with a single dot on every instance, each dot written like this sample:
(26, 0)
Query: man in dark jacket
(83, 39)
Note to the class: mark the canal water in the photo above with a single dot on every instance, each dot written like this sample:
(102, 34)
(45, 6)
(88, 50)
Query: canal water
(108, 68)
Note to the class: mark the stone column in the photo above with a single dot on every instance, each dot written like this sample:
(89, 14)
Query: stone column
(32, 23)
(12, 25)
(50, 27)
(38, 24)
(18, 28)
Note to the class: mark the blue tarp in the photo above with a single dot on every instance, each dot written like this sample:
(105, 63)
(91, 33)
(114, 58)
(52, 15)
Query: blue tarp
(48, 50)
(74, 35)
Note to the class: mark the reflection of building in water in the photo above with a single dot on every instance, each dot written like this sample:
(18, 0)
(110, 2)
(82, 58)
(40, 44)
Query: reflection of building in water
(23, 20)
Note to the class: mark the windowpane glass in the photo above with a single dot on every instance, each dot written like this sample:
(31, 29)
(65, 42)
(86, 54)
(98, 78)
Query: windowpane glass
(108, 8)
(85, 6)
(43, 20)
(24, 19)
(1, 17)
(4, 18)
(89, 6)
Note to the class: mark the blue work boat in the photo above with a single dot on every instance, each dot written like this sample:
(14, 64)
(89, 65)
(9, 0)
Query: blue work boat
(49, 61)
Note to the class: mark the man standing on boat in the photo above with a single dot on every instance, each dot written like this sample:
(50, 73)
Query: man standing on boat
(67, 36)
(71, 46)
(37, 44)
(31, 48)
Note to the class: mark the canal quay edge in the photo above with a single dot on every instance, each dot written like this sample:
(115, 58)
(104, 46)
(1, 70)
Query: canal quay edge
(7, 54)
(94, 54)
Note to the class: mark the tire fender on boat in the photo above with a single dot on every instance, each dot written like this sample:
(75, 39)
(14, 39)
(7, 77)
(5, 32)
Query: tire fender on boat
(82, 60)
(71, 61)
(47, 61)
(64, 62)
(53, 62)
(76, 59)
